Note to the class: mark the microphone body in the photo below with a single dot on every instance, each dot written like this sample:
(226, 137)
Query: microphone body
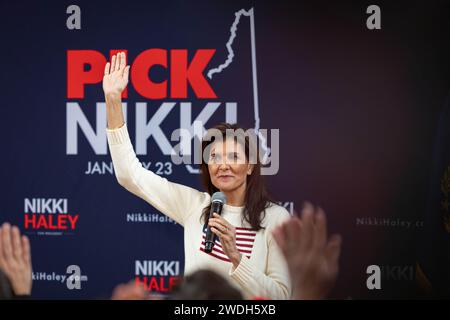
(217, 201)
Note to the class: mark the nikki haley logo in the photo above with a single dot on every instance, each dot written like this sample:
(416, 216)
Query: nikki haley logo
(157, 275)
(245, 238)
(73, 278)
(49, 216)
(181, 76)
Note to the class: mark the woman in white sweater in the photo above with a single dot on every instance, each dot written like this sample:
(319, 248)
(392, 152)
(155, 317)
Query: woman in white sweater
(245, 251)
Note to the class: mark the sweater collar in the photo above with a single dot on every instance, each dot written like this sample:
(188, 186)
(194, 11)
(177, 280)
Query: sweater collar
(233, 209)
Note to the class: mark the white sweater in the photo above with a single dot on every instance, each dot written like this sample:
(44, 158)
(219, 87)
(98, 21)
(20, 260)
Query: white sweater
(262, 270)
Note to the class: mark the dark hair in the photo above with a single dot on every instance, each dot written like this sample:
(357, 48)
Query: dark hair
(205, 285)
(256, 198)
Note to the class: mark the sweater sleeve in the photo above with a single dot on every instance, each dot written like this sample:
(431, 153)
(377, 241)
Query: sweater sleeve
(174, 200)
(275, 283)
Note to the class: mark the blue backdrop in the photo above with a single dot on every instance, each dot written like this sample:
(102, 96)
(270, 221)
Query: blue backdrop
(356, 109)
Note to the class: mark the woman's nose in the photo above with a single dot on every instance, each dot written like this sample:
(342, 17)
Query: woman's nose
(223, 165)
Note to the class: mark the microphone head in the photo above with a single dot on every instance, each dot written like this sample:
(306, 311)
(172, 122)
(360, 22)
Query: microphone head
(219, 197)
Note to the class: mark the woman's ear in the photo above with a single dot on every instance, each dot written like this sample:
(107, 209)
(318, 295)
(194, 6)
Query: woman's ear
(250, 169)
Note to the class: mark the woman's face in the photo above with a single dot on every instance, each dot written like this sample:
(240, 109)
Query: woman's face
(228, 166)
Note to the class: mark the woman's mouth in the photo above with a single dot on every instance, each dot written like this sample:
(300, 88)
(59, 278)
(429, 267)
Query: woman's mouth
(224, 177)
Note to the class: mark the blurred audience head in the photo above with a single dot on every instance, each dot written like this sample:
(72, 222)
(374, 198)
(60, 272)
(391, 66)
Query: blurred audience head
(206, 285)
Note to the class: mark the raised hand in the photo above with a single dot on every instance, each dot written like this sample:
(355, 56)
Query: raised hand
(116, 74)
(312, 260)
(15, 259)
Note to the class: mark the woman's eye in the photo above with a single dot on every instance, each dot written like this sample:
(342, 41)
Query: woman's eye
(214, 157)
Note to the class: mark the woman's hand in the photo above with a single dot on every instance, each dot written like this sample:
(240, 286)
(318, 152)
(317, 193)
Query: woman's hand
(116, 74)
(313, 260)
(227, 236)
(115, 81)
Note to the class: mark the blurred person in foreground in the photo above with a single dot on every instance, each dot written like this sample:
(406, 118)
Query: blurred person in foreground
(15, 263)
(200, 285)
(312, 257)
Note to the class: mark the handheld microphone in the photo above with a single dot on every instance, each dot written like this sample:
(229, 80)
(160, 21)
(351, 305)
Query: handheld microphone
(218, 199)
